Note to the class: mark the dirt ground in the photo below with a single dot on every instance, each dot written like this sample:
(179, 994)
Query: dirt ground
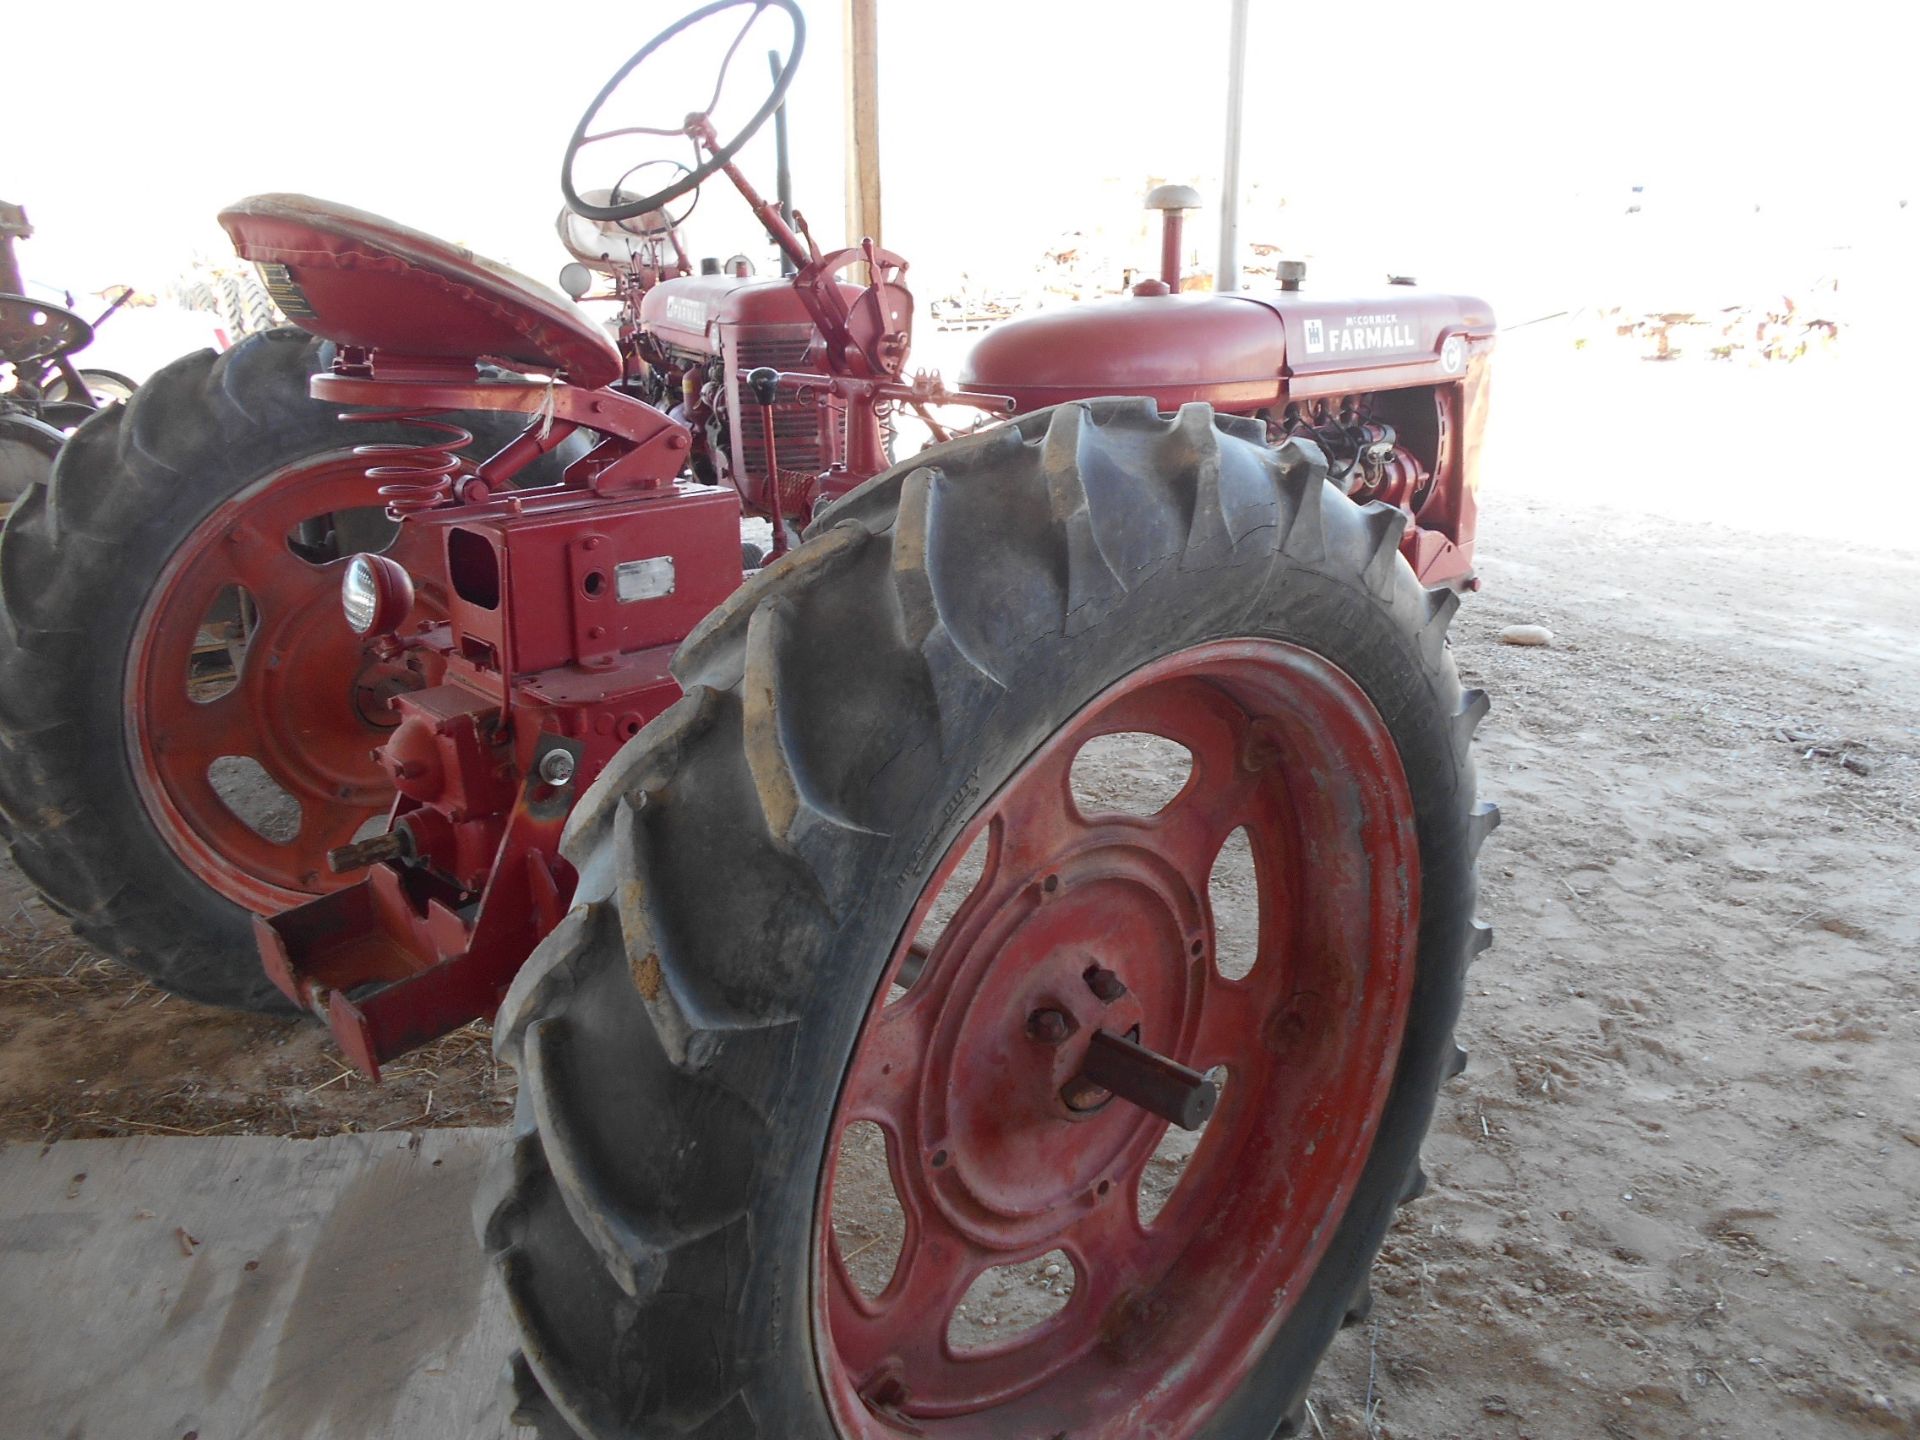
(88, 1048)
(1677, 1192)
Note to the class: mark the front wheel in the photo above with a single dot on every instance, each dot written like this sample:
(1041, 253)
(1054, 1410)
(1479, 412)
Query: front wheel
(932, 918)
(106, 387)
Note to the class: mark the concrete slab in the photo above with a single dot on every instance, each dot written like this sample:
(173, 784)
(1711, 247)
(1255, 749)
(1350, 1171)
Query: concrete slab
(227, 1289)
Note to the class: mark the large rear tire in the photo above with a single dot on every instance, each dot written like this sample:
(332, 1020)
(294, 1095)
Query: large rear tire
(156, 795)
(740, 981)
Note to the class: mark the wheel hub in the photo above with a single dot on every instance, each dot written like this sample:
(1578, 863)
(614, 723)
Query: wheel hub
(1020, 1156)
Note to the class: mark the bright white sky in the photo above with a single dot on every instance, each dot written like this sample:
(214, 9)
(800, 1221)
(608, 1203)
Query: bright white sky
(1479, 146)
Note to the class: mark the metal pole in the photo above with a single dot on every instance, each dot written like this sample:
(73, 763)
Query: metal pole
(1226, 274)
(783, 172)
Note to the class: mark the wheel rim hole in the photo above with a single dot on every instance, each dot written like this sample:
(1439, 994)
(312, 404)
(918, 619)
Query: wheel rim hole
(1134, 772)
(1173, 1159)
(320, 539)
(255, 798)
(1234, 896)
(869, 1226)
(1008, 1302)
(220, 645)
(954, 893)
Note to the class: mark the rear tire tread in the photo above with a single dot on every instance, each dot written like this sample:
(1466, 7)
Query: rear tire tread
(693, 1021)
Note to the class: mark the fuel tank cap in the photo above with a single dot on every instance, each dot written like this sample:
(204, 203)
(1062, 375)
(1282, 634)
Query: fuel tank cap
(1173, 197)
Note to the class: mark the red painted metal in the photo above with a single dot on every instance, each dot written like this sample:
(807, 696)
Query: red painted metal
(391, 594)
(1172, 223)
(993, 1166)
(562, 609)
(641, 448)
(684, 313)
(1238, 352)
(309, 726)
(362, 280)
(1261, 354)
(417, 476)
(833, 410)
(1228, 350)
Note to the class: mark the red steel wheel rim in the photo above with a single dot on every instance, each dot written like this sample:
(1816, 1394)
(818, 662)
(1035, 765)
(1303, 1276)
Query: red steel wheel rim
(989, 1166)
(309, 697)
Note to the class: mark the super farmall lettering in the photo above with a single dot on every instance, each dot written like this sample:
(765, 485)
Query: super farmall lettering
(1358, 333)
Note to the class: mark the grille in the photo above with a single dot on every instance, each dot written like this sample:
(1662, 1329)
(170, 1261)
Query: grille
(796, 425)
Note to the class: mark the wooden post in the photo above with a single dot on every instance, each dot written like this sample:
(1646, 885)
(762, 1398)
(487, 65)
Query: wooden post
(861, 54)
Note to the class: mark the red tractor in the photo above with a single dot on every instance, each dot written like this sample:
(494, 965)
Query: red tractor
(736, 868)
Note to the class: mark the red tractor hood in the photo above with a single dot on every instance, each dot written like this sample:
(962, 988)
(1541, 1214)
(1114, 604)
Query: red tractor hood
(1237, 351)
(687, 311)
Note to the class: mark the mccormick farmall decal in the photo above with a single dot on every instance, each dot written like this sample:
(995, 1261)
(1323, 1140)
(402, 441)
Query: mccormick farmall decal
(1360, 334)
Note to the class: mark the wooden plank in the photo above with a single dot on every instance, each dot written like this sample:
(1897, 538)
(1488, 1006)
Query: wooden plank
(861, 59)
(153, 1288)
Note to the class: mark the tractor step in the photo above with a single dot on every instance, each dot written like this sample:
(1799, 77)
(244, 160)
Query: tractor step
(354, 958)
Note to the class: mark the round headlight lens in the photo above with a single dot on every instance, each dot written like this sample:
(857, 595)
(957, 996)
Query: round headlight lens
(375, 595)
(360, 594)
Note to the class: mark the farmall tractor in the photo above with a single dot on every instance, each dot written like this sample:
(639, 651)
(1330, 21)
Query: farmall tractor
(734, 867)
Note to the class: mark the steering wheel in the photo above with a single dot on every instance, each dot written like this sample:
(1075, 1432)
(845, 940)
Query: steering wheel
(654, 223)
(605, 245)
(627, 210)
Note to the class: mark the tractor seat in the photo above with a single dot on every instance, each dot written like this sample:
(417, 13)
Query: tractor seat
(357, 279)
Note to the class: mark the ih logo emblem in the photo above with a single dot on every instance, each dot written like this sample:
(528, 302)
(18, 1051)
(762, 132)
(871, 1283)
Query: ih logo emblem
(1316, 336)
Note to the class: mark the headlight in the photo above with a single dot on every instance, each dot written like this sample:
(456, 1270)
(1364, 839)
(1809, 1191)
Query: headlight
(375, 595)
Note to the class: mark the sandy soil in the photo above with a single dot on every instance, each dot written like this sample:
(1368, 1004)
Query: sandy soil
(88, 1048)
(1677, 1192)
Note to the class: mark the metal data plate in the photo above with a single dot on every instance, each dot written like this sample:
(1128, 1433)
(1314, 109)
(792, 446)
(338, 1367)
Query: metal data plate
(644, 579)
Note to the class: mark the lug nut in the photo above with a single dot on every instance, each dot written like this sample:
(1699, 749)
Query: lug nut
(1106, 986)
(556, 767)
(1049, 1027)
